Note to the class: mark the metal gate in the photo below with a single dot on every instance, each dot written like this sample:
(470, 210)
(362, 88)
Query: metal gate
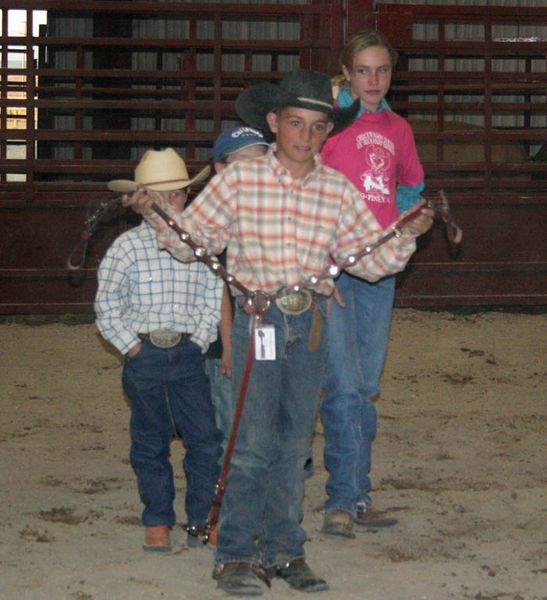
(82, 96)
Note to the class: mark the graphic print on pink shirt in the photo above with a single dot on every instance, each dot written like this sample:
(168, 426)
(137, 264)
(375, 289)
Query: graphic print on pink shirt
(376, 177)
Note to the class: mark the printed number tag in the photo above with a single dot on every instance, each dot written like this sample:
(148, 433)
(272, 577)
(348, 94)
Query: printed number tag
(265, 342)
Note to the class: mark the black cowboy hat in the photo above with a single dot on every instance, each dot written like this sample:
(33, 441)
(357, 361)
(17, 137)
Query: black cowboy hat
(300, 88)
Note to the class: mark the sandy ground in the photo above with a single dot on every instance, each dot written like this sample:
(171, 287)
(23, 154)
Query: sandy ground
(460, 457)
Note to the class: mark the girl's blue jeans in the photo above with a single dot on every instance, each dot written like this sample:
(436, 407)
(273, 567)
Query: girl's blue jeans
(357, 338)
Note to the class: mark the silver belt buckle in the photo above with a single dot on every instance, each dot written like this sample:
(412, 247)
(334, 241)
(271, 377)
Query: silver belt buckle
(165, 338)
(295, 303)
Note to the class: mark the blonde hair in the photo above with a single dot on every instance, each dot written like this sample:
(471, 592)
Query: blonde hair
(357, 43)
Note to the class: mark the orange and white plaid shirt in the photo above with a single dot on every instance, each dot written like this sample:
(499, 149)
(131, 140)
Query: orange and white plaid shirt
(279, 230)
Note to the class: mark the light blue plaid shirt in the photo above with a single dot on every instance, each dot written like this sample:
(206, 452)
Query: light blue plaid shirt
(142, 289)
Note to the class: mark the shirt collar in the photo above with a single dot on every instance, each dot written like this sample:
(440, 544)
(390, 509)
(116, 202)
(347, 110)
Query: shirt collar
(283, 174)
(345, 99)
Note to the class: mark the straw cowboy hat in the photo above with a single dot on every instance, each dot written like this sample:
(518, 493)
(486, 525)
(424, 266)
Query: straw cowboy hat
(299, 88)
(159, 170)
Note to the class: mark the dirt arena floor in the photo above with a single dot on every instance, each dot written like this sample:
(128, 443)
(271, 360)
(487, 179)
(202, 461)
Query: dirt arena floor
(460, 458)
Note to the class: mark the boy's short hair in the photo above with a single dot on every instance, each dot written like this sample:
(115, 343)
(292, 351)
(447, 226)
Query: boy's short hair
(235, 139)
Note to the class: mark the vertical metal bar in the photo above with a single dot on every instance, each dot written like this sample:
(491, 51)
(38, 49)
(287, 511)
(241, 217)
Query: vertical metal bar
(78, 95)
(306, 27)
(158, 86)
(30, 107)
(328, 25)
(488, 107)
(528, 99)
(248, 61)
(190, 64)
(441, 67)
(217, 76)
(359, 15)
(4, 89)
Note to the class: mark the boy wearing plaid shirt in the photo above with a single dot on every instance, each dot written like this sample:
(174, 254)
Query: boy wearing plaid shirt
(162, 314)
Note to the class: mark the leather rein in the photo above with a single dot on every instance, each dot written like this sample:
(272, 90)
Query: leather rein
(258, 302)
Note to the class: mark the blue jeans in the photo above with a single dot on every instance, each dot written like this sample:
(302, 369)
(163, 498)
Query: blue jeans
(221, 396)
(169, 395)
(357, 343)
(262, 507)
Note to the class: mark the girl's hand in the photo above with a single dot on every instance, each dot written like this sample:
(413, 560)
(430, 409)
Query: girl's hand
(422, 222)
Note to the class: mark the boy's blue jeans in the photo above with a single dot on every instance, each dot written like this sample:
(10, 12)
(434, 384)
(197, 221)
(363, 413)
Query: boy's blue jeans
(262, 507)
(357, 338)
(169, 394)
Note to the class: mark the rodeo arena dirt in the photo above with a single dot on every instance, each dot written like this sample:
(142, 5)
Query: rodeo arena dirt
(460, 457)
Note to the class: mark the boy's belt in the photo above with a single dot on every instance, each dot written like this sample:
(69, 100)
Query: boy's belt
(296, 303)
(164, 338)
(292, 304)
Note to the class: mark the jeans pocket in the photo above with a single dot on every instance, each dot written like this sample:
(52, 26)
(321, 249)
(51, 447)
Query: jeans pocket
(139, 355)
(196, 346)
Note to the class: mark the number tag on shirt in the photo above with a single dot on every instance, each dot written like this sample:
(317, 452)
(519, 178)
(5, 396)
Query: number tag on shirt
(265, 342)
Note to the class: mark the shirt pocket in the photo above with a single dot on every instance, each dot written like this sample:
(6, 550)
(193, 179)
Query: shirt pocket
(149, 288)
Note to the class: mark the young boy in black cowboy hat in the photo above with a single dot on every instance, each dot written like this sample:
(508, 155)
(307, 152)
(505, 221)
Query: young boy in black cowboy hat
(162, 315)
(281, 217)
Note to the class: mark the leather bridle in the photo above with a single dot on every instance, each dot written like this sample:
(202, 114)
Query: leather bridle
(258, 302)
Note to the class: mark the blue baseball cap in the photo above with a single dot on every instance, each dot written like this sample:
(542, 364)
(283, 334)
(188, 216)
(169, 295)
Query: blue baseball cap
(236, 138)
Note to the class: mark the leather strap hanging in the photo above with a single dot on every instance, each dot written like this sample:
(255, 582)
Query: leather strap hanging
(211, 533)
